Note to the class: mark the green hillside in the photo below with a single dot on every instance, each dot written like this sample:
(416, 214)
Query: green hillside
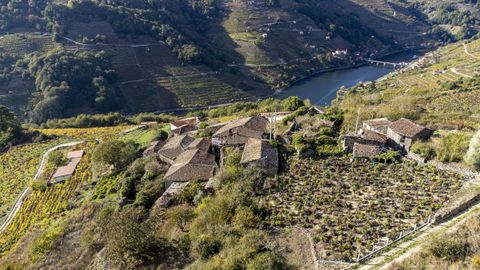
(167, 54)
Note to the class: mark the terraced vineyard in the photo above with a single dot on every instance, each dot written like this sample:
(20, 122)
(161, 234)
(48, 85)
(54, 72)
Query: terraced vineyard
(19, 44)
(17, 168)
(444, 90)
(349, 207)
(103, 133)
(42, 205)
(198, 91)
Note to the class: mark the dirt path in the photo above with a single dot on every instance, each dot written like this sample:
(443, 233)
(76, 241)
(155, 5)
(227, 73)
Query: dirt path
(27, 191)
(465, 48)
(454, 70)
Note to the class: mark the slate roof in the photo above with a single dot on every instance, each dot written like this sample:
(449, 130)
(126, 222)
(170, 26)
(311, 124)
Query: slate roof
(406, 127)
(380, 124)
(193, 164)
(257, 149)
(190, 121)
(256, 123)
(373, 136)
(75, 154)
(175, 146)
(201, 143)
(67, 170)
(365, 150)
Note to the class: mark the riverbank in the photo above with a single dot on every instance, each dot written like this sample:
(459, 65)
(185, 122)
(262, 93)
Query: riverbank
(329, 80)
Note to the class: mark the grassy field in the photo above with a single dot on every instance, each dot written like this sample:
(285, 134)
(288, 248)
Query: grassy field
(350, 207)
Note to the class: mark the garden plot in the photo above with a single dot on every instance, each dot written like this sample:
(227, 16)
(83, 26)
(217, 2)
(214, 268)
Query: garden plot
(350, 207)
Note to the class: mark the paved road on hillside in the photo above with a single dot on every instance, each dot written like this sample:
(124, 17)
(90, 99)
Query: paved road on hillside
(26, 192)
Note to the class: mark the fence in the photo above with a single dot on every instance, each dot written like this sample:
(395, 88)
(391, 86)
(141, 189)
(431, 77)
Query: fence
(379, 248)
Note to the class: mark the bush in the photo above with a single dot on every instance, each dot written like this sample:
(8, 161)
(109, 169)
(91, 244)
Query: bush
(473, 155)
(423, 149)
(188, 194)
(129, 238)
(453, 147)
(267, 261)
(246, 218)
(293, 103)
(115, 153)
(449, 248)
(57, 158)
(182, 215)
(207, 246)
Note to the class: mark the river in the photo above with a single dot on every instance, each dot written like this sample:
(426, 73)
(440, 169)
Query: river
(322, 89)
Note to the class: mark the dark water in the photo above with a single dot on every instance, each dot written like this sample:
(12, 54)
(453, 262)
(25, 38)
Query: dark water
(322, 90)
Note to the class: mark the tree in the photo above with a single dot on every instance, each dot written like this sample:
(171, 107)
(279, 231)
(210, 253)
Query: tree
(293, 103)
(129, 238)
(182, 215)
(9, 127)
(473, 154)
(114, 153)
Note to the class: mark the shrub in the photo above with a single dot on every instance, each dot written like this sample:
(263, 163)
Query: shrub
(476, 261)
(128, 238)
(293, 103)
(189, 192)
(182, 215)
(207, 246)
(114, 153)
(473, 155)
(423, 149)
(245, 217)
(449, 248)
(57, 158)
(267, 261)
(453, 147)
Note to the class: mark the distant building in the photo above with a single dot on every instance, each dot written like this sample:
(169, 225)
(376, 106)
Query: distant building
(365, 152)
(191, 165)
(174, 147)
(260, 154)
(238, 132)
(66, 172)
(379, 125)
(402, 133)
(184, 125)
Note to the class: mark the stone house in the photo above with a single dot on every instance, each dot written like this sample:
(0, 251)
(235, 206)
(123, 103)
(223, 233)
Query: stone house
(365, 152)
(238, 132)
(260, 154)
(379, 125)
(184, 125)
(190, 165)
(174, 147)
(404, 132)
